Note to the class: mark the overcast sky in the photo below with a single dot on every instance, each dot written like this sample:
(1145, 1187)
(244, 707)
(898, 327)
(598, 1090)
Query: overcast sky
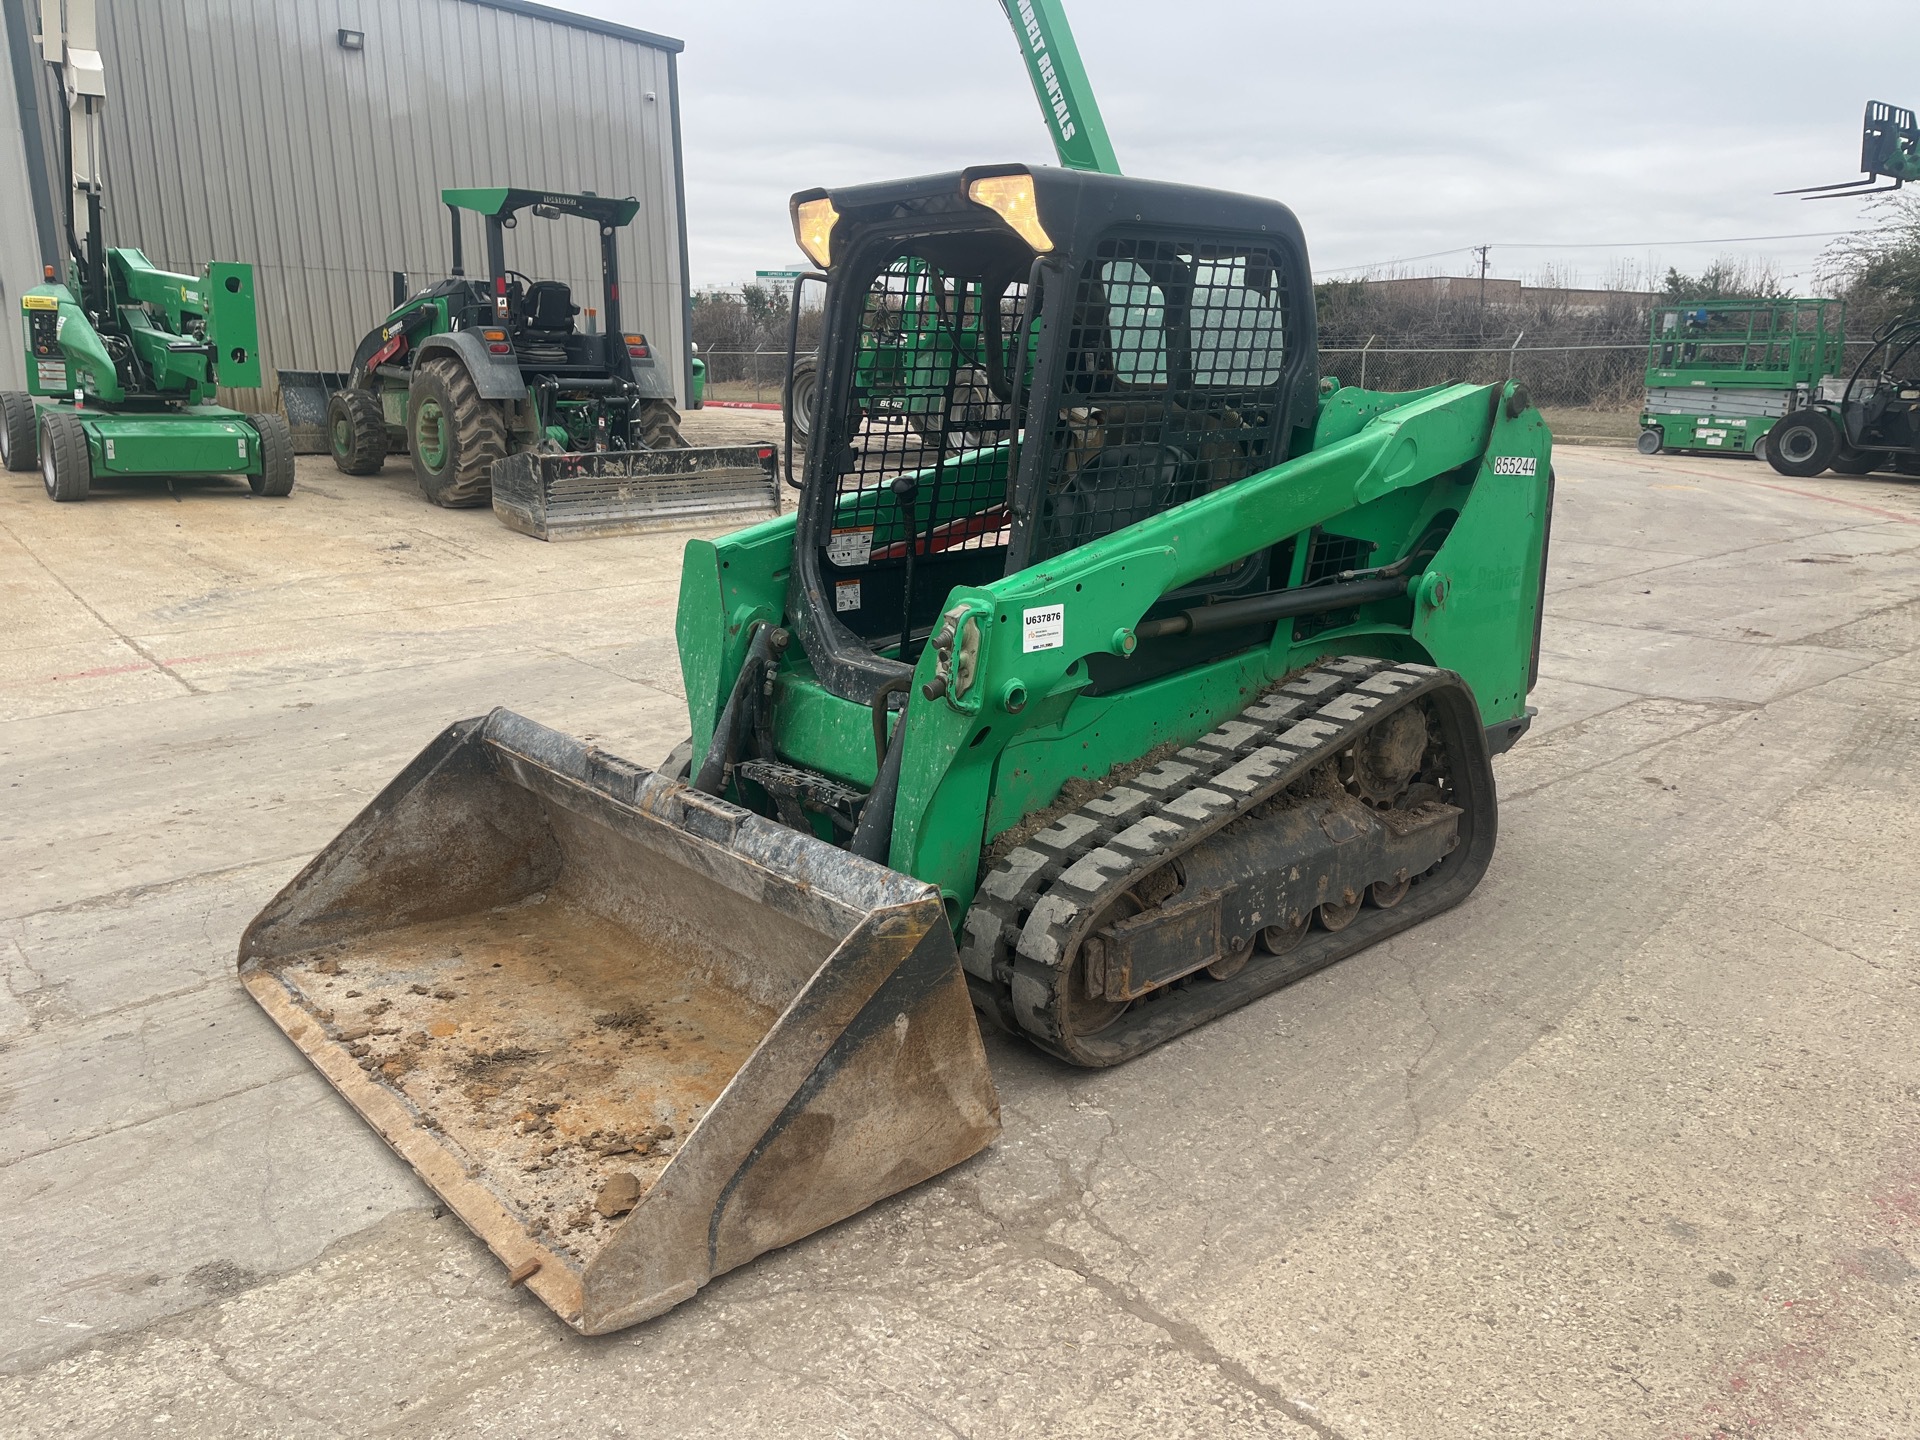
(1393, 128)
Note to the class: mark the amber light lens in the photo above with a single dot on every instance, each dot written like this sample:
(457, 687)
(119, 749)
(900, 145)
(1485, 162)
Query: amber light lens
(1011, 198)
(813, 222)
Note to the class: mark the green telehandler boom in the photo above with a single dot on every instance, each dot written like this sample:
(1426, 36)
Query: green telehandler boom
(913, 353)
(1177, 681)
(123, 358)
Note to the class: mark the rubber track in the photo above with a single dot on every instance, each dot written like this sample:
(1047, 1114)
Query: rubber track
(480, 436)
(1028, 917)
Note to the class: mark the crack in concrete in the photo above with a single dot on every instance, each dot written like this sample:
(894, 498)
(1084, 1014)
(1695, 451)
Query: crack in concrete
(125, 639)
(154, 887)
(1186, 1337)
(178, 1110)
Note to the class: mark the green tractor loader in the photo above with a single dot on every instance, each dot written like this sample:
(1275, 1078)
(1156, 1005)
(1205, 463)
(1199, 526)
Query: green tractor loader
(500, 395)
(123, 358)
(1177, 682)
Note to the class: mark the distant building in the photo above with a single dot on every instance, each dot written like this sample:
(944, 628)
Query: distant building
(1503, 293)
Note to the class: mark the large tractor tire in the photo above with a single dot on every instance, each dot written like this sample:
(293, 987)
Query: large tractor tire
(1849, 461)
(454, 435)
(1802, 444)
(276, 456)
(803, 389)
(357, 431)
(19, 431)
(65, 465)
(659, 426)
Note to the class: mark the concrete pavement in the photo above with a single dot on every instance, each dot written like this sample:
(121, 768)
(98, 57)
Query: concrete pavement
(1626, 1145)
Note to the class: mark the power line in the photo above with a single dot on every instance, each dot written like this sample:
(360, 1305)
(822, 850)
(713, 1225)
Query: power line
(1591, 245)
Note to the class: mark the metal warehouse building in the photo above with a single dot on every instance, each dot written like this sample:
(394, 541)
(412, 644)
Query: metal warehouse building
(313, 138)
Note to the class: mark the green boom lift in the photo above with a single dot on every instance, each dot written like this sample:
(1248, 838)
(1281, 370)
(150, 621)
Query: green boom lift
(1180, 684)
(1868, 419)
(123, 358)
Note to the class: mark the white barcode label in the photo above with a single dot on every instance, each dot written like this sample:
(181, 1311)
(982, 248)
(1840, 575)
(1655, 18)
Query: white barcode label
(1044, 628)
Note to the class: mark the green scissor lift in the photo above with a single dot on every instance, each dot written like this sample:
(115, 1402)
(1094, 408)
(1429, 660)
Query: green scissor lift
(1721, 372)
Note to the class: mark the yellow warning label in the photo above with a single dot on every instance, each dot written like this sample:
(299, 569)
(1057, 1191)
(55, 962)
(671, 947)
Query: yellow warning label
(39, 302)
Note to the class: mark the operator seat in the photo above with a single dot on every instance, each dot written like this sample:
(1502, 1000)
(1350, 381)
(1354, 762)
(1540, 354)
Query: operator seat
(548, 310)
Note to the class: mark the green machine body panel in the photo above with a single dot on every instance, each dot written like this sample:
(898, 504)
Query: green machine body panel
(974, 768)
(196, 440)
(1721, 372)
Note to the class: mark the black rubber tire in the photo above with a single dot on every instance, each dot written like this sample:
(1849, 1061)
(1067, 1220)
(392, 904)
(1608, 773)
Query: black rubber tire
(1651, 441)
(473, 435)
(803, 389)
(679, 762)
(1849, 461)
(276, 456)
(1802, 444)
(19, 432)
(659, 426)
(357, 432)
(66, 468)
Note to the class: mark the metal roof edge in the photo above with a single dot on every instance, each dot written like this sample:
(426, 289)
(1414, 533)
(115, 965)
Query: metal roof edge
(584, 22)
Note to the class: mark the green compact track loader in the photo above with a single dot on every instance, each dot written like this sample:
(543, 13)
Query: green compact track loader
(123, 358)
(1179, 680)
(502, 396)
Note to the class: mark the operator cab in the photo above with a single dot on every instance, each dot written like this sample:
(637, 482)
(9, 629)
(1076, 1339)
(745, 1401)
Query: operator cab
(1018, 363)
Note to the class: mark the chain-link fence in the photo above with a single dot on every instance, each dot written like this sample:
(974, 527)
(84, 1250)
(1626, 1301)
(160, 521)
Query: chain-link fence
(1587, 376)
(757, 376)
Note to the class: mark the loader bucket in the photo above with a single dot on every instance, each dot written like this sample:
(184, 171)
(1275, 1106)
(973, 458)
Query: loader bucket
(632, 1034)
(623, 492)
(303, 397)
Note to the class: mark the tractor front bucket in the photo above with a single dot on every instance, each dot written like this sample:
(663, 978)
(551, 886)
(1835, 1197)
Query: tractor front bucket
(303, 399)
(622, 492)
(632, 1034)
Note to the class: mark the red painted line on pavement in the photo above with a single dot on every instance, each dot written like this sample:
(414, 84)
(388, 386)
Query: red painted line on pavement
(737, 405)
(104, 670)
(218, 655)
(1791, 490)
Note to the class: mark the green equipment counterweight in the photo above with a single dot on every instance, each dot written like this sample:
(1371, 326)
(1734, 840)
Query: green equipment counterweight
(123, 359)
(1176, 679)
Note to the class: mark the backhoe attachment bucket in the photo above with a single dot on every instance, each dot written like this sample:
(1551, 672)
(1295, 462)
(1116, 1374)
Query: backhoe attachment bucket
(632, 1034)
(624, 492)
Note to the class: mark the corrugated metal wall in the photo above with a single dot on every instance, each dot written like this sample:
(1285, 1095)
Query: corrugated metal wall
(19, 247)
(241, 130)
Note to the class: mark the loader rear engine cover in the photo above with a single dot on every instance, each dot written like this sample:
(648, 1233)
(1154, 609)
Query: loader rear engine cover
(1113, 671)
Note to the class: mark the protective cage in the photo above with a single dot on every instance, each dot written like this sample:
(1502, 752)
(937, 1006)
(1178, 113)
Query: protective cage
(1172, 384)
(632, 1034)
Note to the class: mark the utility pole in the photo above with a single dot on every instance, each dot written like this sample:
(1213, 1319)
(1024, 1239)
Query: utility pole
(1481, 251)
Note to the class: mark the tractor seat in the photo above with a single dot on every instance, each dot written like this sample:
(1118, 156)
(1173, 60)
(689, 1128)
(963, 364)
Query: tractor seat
(548, 311)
